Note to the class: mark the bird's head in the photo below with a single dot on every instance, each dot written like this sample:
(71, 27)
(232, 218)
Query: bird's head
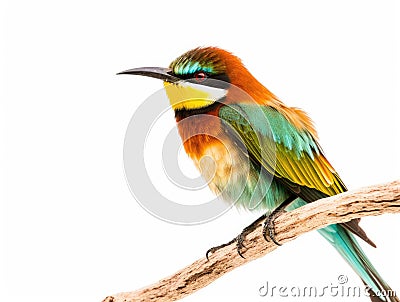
(201, 77)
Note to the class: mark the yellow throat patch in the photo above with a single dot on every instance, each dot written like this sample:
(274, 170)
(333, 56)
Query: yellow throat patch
(191, 96)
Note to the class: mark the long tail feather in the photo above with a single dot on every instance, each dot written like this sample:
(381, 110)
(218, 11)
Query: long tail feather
(345, 243)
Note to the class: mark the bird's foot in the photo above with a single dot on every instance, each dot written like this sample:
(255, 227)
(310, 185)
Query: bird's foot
(269, 227)
(239, 239)
(218, 247)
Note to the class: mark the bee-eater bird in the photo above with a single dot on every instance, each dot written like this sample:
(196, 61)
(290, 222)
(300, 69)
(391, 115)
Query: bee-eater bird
(262, 150)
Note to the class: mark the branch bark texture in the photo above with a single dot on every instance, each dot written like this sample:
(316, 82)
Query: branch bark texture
(368, 201)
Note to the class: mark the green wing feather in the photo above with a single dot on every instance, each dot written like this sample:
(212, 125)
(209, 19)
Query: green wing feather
(289, 154)
(295, 158)
(283, 150)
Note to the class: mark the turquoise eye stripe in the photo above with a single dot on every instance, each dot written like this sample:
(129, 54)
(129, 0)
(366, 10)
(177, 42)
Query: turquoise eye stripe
(191, 67)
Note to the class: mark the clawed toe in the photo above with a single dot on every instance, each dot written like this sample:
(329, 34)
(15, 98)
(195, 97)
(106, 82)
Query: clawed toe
(210, 251)
(239, 246)
(238, 239)
(216, 248)
(268, 231)
(269, 228)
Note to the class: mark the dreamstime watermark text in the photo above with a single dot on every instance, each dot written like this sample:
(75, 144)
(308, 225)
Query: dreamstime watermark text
(339, 288)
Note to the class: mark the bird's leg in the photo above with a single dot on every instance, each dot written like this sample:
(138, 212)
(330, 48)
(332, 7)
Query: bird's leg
(267, 227)
(269, 221)
(247, 230)
(240, 238)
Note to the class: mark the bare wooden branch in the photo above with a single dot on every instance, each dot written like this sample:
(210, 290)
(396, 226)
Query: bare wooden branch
(369, 201)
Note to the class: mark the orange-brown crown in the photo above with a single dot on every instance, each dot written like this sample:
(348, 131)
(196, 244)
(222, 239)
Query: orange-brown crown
(221, 64)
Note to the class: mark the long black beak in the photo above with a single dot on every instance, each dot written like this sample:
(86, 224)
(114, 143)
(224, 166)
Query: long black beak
(161, 73)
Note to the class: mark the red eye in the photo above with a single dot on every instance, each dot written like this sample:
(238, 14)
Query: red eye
(200, 76)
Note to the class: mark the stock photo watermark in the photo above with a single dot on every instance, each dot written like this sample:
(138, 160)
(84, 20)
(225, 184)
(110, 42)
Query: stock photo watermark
(338, 289)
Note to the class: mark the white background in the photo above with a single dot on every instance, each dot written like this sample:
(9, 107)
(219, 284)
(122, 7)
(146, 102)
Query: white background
(71, 228)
